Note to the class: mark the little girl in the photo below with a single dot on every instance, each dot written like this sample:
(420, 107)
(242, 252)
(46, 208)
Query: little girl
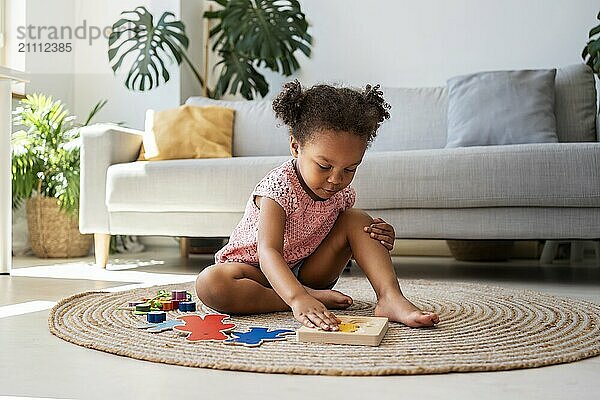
(299, 229)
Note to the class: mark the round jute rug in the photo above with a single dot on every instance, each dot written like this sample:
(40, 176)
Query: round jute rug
(482, 328)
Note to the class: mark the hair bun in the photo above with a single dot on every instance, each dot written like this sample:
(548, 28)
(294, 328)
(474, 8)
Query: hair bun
(375, 96)
(287, 104)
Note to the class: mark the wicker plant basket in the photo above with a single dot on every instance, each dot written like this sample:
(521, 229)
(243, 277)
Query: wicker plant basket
(53, 233)
(481, 250)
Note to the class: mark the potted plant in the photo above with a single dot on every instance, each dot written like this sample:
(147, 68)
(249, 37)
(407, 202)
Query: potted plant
(248, 35)
(591, 51)
(45, 174)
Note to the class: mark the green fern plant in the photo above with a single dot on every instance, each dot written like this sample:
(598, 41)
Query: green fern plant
(45, 155)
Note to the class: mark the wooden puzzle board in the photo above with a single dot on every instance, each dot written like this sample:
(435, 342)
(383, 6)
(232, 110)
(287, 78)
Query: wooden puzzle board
(366, 331)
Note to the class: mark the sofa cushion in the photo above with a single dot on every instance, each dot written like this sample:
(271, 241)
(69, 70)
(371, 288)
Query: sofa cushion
(530, 175)
(501, 107)
(210, 185)
(256, 130)
(187, 132)
(575, 108)
(526, 175)
(417, 119)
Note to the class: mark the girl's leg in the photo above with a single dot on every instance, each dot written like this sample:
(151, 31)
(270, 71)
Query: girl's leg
(238, 288)
(347, 238)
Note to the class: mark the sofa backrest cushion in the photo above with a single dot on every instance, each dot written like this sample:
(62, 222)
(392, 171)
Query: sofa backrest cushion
(575, 104)
(418, 121)
(256, 131)
(501, 107)
(418, 117)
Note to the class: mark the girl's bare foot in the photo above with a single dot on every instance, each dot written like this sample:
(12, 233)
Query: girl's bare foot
(331, 298)
(401, 310)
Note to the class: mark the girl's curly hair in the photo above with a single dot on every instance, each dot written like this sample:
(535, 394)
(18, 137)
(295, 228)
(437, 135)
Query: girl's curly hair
(308, 111)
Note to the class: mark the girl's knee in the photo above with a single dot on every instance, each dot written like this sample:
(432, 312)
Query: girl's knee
(356, 216)
(211, 284)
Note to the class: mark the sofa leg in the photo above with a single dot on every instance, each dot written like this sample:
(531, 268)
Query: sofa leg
(184, 247)
(101, 248)
(577, 248)
(549, 252)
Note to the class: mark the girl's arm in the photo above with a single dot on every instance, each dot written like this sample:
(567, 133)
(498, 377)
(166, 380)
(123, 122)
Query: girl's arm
(306, 309)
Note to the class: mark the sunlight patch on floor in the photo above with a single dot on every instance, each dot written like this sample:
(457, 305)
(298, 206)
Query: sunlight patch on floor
(25, 308)
(124, 271)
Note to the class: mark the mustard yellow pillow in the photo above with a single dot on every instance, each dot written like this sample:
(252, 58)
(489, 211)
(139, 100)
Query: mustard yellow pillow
(187, 132)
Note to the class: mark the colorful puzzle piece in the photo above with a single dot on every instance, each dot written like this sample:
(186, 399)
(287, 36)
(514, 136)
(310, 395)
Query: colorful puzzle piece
(256, 336)
(163, 326)
(210, 327)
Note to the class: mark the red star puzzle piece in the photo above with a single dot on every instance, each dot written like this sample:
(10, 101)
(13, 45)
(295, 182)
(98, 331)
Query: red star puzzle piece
(208, 328)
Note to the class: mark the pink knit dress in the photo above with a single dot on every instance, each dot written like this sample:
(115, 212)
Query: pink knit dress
(307, 221)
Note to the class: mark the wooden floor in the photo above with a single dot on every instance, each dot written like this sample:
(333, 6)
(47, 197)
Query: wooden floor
(34, 363)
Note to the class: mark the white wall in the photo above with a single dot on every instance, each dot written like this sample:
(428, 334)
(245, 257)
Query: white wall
(191, 15)
(49, 72)
(423, 43)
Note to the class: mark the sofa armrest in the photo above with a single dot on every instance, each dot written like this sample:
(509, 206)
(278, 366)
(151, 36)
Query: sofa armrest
(101, 146)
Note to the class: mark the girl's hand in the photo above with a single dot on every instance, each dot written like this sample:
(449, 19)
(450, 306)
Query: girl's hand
(382, 232)
(312, 313)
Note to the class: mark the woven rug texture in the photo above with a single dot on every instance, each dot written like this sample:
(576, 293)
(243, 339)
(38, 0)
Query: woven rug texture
(482, 328)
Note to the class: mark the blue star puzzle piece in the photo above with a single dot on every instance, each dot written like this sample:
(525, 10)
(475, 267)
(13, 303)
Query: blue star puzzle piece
(163, 326)
(256, 336)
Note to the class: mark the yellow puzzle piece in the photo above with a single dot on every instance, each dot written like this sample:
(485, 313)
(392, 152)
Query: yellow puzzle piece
(348, 327)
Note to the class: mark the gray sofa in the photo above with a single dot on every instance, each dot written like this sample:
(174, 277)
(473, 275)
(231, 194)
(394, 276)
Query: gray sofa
(524, 191)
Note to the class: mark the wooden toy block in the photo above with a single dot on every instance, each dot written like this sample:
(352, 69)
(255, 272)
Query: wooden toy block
(365, 331)
(156, 317)
(180, 295)
(143, 307)
(187, 306)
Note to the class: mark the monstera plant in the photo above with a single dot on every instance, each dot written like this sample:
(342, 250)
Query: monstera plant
(592, 50)
(248, 35)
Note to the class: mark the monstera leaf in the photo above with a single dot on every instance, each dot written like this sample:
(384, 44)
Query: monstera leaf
(147, 44)
(254, 34)
(239, 73)
(592, 50)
